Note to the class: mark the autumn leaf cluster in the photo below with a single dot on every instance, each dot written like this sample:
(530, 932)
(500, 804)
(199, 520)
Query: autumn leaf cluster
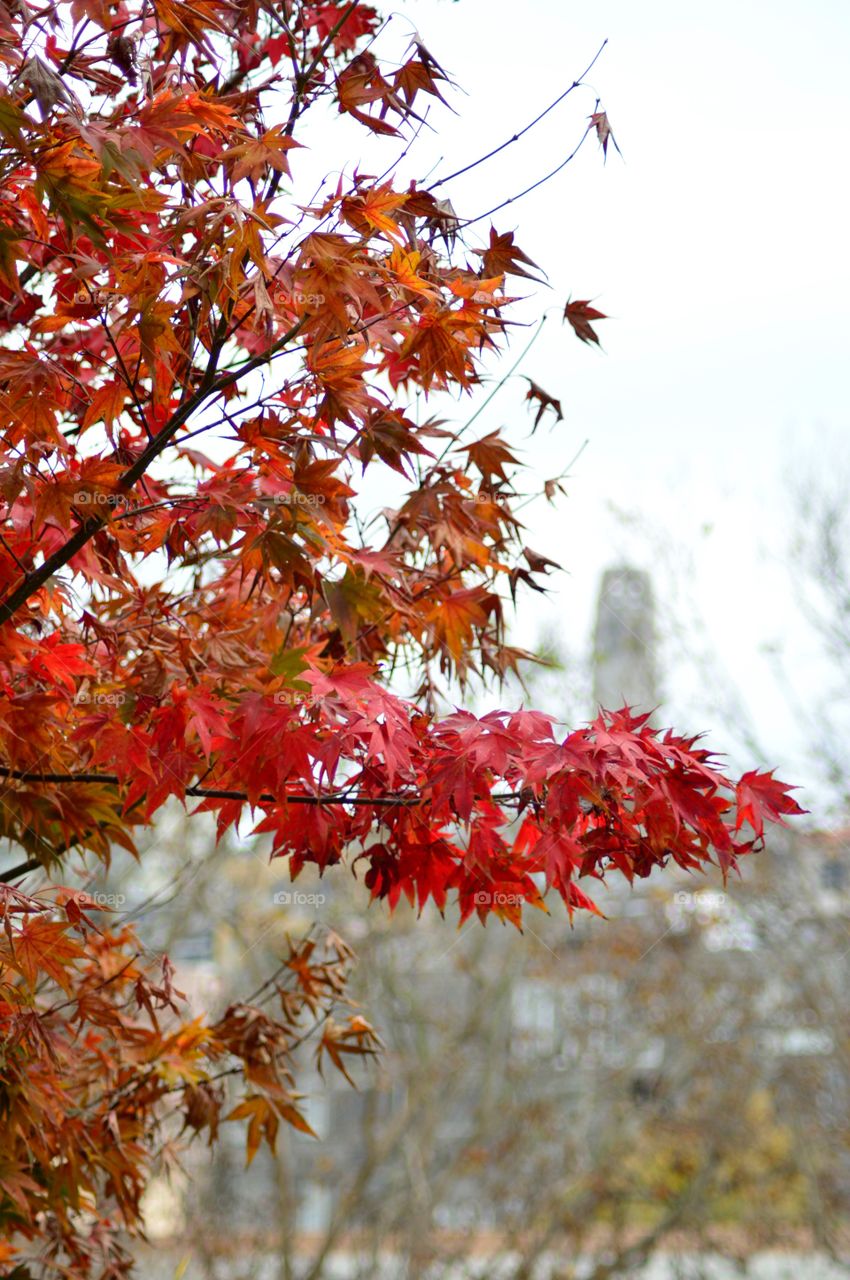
(199, 363)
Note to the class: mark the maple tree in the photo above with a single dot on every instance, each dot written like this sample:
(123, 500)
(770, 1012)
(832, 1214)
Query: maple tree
(220, 626)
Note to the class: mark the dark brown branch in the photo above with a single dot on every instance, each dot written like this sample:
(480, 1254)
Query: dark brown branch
(226, 793)
(22, 869)
(302, 80)
(209, 386)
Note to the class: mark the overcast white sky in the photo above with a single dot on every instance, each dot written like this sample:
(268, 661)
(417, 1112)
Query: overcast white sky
(718, 244)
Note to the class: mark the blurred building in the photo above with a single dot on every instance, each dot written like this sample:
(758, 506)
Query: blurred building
(625, 669)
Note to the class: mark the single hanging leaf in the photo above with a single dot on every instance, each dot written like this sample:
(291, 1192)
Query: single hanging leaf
(580, 315)
(544, 402)
(599, 122)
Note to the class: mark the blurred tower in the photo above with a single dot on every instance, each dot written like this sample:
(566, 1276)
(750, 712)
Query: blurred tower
(624, 666)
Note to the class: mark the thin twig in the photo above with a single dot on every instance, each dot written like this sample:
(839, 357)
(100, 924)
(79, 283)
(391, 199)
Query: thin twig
(539, 183)
(516, 137)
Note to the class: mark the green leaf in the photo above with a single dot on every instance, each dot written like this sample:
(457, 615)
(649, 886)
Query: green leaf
(289, 663)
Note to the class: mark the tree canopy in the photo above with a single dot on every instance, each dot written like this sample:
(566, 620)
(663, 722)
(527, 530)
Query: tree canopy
(217, 624)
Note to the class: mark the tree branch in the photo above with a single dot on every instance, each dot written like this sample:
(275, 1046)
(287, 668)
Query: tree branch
(22, 869)
(408, 799)
(516, 137)
(209, 386)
